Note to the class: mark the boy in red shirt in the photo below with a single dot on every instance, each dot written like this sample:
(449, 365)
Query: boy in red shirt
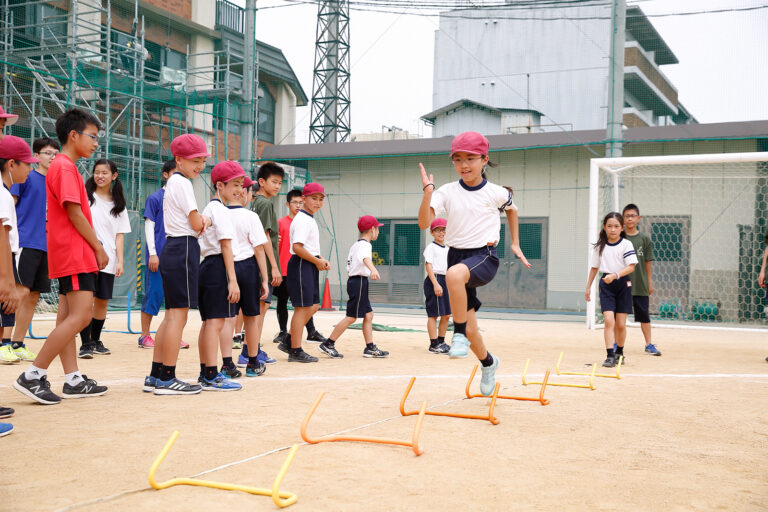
(76, 255)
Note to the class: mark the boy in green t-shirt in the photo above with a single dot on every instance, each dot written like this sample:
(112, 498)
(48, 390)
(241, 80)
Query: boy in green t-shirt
(642, 285)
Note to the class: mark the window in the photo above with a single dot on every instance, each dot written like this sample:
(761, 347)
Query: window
(266, 122)
(380, 246)
(407, 246)
(530, 240)
(174, 59)
(667, 238)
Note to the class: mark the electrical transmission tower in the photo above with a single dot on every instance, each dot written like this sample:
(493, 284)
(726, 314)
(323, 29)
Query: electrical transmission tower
(330, 85)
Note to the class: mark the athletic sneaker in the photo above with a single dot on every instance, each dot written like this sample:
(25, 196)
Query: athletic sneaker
(315, 337)
(459, 346)
(231, 372)
(440, 348)
(146, 341)
(280, 337)
(488, 380)
(24, 354)
(237, 341)
(242, 361)
(255, 371)
(183, 344)
(329, 350)
(149, 384)
(175, 387)
(7, 355)
(610, 362)
(5, 429)
(263, 357)
(6, 412)
(374, 351)
(87, 387)
(219, 383)
(100, 349)
(283, 346)
(86, 352)
(37, 389)
(651, 349)
(622, 358)
(301, 357)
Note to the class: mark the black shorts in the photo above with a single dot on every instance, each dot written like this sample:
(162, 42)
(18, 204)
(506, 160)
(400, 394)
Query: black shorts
(105, 283)
(437, 306)
(617, 296)
(482, 263)
(212, 289)
(179, 268)
(77, 283)
(32, 270)
(249, 281)
(358, 304)
(640, 308)
(303, 283)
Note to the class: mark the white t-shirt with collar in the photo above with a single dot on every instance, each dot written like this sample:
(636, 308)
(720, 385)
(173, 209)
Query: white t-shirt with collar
(304, 231)
(8, 218)
(249, 232)
(437, 256)
(473, 213)
(107, 226)
(178, 203)
(222, 228)
(357, 253)
(614, 258)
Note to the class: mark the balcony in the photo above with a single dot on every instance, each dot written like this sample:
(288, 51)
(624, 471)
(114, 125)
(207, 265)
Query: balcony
(230, 16)
(644, 80)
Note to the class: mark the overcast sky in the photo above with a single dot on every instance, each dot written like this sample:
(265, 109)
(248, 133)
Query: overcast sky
(723, 60)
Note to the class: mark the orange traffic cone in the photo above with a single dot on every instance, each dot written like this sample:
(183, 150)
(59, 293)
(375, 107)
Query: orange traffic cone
(327, 305)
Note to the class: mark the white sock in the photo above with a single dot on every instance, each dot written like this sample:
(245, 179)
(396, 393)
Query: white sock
(74, 378)
(34, 372)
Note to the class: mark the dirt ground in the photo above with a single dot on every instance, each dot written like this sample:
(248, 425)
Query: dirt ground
(685, 431)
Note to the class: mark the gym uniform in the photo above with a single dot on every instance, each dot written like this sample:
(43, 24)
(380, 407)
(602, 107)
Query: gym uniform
(266, 212)
(640, 292)
(153, 293)
(212, 288)
(303, 276)
(107, 226)
(8, 218)
(249, 233)
(617, 296)
(32, 257)
(358, 304)
(437, 255)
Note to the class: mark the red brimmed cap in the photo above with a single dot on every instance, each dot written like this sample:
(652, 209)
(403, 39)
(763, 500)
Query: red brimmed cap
(226, 171)
(438, 223)
(312, 188)
(16, 148)
(9, 118)
(247, 182)
(189, 146)
(367, 222)
(470, 142)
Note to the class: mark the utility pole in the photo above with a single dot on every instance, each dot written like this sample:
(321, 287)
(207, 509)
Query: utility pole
(615, 114)
(250, 86)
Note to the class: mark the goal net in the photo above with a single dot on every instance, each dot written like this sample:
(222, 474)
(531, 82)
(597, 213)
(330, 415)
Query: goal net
(706, 216)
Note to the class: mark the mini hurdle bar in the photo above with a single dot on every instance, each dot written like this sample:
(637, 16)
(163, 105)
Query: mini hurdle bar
(591, 384)
(540, 398)
(607, 376)
(488, 417)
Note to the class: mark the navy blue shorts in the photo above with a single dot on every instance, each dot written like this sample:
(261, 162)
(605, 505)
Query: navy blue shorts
(358, 304)
(482, 264)
(153, 292)
(617, 296)
(437, 306)
(249, 281)
(640, 308)
(77, 282)
(212, 289)
(32, 270)
(179, 268)
(105, 283)
(303, 283)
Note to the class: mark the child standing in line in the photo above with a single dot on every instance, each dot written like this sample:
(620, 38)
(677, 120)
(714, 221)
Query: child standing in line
(179, 264)
(615, 257)
(438, 302)
(75, 256)
(304, 271)
(642, 285)
(360, 268)
(110, 221)
(217, 302)
(6, 119)
(472, 206)
(32, 259)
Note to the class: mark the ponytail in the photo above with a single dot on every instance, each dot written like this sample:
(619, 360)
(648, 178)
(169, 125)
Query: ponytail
(118, 197)
(90, 188)
(602, 238)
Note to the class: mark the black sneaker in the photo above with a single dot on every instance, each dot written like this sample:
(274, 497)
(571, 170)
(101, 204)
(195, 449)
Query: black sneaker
(86, 352)
(175, 387)
(330, 351)
(37, 389)
(301, 357)
(6, 412)
(374, 352)
(316, 337)
(284, 347)
(280, 337)
(87, 387)
(231, 372)
(609, 362)
(440, 348)
(100, 349)
(622, 358)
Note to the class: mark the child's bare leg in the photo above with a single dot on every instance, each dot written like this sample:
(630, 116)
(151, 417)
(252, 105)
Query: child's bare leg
(432, 327)
(340, 328)
(225, 337)
(252, 333)
(74, 314)
(443, 327)
(456, 279)
(173, 327)
(24, 313)
(146, 323)
(100, 308)
(620, 328)
(368, 327)
(608, 330)
(645, 327)
(209, 334)
(475, 338)
(299, 320)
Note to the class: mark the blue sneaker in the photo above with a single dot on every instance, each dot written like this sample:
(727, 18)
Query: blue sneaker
(615, 348)
(488, 380)
(255, 371)
(219, 383)
(459, 346)
(264, 358)
(242, 361)
(5, 429)
(651, 349)
(149, 384)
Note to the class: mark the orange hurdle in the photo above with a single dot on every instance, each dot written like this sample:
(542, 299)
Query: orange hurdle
(590, 385)
(606, 375)
(489, 417)
(414, 444)
(540, 399)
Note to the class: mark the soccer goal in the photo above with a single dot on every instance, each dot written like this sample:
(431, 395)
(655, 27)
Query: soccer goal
(706, 216)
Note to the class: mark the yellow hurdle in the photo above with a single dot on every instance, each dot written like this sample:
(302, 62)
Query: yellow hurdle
(616, 376)
(591, 384)
(281, 498)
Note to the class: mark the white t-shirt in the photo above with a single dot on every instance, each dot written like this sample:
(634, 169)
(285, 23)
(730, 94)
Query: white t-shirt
(222, 228)
(473, 214)
(249, 232)
(614, 258)
(437, 255)
(357, 253)
(8, 218)
(107, 226)
(178, 202)
(304, 231)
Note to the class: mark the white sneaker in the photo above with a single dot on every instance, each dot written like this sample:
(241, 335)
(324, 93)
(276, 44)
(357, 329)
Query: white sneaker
(488, 380)
(459, 346)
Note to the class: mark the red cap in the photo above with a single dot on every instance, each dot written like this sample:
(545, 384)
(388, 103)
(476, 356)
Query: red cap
(247, 182)
(15, 148)
(9, 118)
(470, 142)
(366, 222)
(438, 223)
(226, 171)
(189, 146)
(312, 188)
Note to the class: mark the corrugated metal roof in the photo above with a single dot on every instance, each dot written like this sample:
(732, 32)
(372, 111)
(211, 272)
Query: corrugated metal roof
(272, 62)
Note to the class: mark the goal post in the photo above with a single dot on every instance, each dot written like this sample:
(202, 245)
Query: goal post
(706, 215)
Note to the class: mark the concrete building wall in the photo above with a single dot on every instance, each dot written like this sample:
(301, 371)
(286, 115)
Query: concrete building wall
(285, 115)
(457, 122)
